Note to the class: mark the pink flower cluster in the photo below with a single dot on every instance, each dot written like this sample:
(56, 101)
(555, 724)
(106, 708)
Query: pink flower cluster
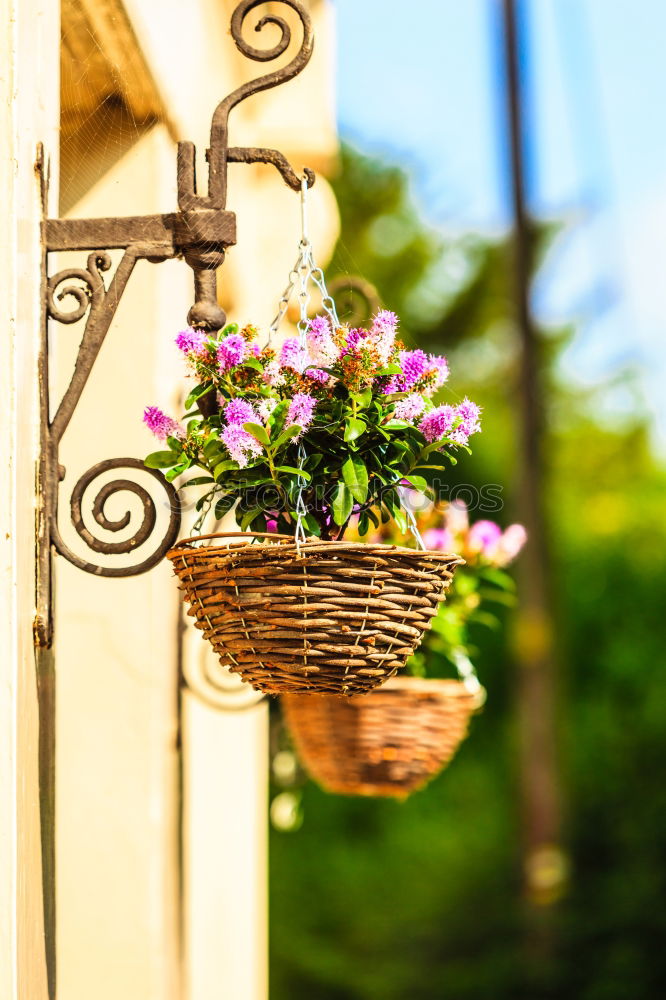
(457, 422)
(239, 411)
(301, 410)
(231, 351)
(316, 370)
(321, 347)
(240, 445)
(417, 366)
(482, 543)
(192, 341)
(162, 425)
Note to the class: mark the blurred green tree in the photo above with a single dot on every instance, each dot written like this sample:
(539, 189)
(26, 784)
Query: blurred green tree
(374, 900)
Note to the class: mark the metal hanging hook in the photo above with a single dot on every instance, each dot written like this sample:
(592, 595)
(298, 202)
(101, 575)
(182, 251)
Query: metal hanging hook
(305, 240)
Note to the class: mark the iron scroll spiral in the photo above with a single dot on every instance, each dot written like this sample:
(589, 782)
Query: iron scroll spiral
(213, 684)
(362, 297)
(280, 76)
(141, 535)
(92, 294)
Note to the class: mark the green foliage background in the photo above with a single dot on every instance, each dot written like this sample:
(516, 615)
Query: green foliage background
(375, 900)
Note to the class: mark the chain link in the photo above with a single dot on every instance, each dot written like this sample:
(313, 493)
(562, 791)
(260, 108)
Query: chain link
(467, 671)
(306, 272)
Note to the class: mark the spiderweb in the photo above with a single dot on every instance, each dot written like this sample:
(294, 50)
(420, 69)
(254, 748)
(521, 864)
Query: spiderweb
(108, 99)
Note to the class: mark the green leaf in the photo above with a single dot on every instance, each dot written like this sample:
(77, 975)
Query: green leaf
(212, 444)
(227, 466)
(294, 472)
(373, 517)
(312, 525)
(198, 481)
(355, 476)
(174, 473)
(362, 399)
(418, 482)
(253, 363)
(276, 420)
(291, 432)
(258, 432)
(249, 517)
(400, 520)
(354, 428)
(499, 577)
(390, 370)
(343, 503)
(161, 459)
(259, 480)
(197, 393)
(224, 505)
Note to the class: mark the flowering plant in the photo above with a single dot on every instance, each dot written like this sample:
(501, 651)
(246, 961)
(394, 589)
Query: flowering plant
(330, 425)
(483, 580)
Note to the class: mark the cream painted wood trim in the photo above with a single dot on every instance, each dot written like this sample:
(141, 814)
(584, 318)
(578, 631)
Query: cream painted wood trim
(29, 35)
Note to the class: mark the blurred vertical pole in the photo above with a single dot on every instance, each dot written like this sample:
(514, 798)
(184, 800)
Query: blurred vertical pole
(543, 859)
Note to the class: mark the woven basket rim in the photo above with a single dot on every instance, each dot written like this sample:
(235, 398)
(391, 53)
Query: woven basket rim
(286, 543)
(430, 685)
(426, 687)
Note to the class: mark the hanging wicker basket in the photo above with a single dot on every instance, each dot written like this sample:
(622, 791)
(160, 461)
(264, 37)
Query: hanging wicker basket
(389, 743)
(322, 617)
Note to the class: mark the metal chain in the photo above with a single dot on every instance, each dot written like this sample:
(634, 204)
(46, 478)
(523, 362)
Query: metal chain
(466, 671)
(305, 272)
(411, 524)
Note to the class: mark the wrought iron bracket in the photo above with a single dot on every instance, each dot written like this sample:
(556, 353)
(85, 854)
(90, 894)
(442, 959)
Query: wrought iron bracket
(200, 232)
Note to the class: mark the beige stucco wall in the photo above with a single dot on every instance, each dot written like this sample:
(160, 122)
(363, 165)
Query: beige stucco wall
(120, 912)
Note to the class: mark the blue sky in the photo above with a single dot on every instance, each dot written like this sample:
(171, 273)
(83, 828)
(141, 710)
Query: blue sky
(422, 84)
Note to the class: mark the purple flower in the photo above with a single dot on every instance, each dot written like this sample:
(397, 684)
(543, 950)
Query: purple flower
(292, 355)
(231, 351)
(383, 331)
(437, 423)
(240, 445)
(414, 366)
(191, 341)
(468, 413)
(409, 408)
(272, 374)
(355, 338)
(440, 366)
(239, 411)
(162, 425)
(483, 536)
(456, 518)
(509, 545)
(439, 539)
(265, 407)
(300, 410)
(320, 344)
(317, 374)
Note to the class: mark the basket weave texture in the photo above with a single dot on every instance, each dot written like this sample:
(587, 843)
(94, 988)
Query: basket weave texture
(323, 617)
(388, 743)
